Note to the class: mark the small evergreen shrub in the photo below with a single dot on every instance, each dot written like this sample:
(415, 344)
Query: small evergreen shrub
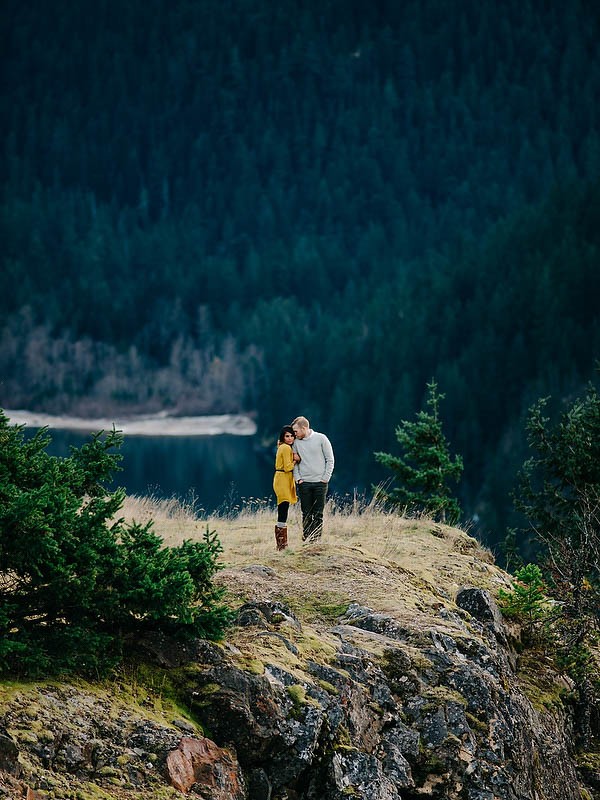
(76, 586)
(425, 467)
(527, 602)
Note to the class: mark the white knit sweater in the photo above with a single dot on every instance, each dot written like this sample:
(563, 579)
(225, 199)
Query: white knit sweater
(316, 453)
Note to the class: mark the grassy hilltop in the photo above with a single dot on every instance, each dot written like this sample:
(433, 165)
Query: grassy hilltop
(408, 568)
(331, 629)
(366, 555)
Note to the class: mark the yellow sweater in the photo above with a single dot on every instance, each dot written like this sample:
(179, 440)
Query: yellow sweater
(283, 481)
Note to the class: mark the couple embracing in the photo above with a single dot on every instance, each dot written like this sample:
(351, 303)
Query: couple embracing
(303, 467)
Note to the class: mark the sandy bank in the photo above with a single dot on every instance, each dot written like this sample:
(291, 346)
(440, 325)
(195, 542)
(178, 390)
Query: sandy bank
(160, 424)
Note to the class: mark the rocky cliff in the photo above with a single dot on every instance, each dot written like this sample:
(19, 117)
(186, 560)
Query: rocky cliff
(353, 671)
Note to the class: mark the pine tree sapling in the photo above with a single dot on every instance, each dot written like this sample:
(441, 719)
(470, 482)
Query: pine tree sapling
(75, 584)
(426, 466)
(527, 602)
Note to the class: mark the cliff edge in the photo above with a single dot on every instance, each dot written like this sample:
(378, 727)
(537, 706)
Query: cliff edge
(374, 664)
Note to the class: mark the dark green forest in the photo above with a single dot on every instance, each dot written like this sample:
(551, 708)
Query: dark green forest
(214, 206)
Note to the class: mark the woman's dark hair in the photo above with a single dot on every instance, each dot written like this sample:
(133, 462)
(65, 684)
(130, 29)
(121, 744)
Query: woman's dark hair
(283, 431)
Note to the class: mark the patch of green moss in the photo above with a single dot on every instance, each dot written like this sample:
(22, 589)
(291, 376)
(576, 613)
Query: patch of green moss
(432, 764)
(252, 665)
(328, 687)
(210, 688)
(152, 688)
(297, 693)
(543, 701)
(325, 606)
(453, 741)
(28, 737)
(330, 610)
(311, 646)
(539, 683)
(9, 689)
(589, 761)
(345, 748)
(107, 772)
(342, 738)
(442, 694)
(91, 791)
(476, 723)
(204, 693)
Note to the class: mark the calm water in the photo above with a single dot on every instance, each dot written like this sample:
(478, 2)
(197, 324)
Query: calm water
(219, 471)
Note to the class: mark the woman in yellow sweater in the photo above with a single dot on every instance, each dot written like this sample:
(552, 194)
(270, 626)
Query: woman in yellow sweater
(283, 483)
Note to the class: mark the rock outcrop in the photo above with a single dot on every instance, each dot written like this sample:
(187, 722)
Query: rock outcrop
(366, 703)
(200, 762)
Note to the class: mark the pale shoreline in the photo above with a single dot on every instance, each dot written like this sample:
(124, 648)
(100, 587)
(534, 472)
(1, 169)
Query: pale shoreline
(160, 424)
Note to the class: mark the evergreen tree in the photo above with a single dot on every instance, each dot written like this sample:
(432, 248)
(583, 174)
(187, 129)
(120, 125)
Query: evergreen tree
(559, 493)
(528, 602)
(76, 585)
(426, 466)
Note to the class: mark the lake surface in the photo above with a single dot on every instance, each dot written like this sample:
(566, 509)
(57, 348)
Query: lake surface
(219, 471)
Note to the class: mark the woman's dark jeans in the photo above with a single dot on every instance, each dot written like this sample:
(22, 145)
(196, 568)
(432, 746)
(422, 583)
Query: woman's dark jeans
(312, 502)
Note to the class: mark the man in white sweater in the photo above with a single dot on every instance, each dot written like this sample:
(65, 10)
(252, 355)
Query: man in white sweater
(312, 475)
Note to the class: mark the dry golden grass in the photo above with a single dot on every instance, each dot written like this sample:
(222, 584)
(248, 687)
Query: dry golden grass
(367, 555)
(174, 519)
(407, 569)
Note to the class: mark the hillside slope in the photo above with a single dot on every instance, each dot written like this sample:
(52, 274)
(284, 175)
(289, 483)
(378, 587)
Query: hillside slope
(371, 665)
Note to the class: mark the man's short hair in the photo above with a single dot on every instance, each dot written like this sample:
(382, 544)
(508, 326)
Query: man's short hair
(301, 422)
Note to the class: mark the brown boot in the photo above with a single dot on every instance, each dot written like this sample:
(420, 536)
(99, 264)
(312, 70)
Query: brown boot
(281, 537)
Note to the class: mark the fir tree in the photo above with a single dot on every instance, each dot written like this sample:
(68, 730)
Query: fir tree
(559, 493)
(426, 466)
(528, 601)
(77, 583)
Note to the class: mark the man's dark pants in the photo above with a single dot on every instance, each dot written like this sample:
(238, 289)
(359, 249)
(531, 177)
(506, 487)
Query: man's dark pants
(312, 502)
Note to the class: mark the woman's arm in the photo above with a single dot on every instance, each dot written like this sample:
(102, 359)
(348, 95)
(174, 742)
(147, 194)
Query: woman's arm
(288, 458)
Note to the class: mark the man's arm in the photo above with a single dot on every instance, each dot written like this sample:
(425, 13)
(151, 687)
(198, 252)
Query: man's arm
(329, 459)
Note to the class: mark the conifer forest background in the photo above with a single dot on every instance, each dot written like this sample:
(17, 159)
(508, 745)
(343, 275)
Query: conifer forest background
(281, 207)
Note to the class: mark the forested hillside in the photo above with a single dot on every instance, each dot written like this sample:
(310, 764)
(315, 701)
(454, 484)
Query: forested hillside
(283, 208)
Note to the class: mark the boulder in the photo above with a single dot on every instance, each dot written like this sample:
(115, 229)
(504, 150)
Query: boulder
(202, 762)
